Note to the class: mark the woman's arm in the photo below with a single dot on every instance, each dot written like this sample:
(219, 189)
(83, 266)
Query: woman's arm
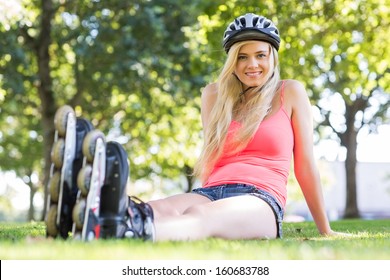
(305, 167)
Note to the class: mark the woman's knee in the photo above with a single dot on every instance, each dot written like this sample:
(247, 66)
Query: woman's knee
(177, 205)
(197, 209)
(161, 208)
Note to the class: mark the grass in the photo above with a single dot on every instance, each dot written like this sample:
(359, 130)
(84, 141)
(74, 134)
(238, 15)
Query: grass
(370, 240)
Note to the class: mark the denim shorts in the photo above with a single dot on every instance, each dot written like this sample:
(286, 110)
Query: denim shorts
(230, 190)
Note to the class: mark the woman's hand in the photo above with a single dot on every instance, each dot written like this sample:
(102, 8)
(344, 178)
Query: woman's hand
(333, 233)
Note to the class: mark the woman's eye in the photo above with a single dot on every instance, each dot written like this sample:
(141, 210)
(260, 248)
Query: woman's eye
(241, 57)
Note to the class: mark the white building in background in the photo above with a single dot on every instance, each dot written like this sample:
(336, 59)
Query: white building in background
(373, 191)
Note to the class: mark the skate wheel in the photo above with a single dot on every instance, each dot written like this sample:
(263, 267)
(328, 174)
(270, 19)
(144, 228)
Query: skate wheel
(78, 213)
(84, 179)
(89, 143)
(51, 226)
(61, 119)
(54, 186)
(58, 152)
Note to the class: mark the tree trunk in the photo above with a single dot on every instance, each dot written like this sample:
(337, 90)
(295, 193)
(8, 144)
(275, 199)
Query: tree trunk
(351, 206)
(48, 106)
(188, 172)
(349, 140)
(31, 209)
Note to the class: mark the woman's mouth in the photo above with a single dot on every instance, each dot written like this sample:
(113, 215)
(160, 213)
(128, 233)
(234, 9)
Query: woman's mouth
(253, 74)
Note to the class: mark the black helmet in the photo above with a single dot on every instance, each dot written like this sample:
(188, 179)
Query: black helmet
(251, 27)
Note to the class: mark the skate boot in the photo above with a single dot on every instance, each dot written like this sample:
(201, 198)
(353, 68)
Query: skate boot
(103, 209)
(66, 158)
(139, 220)
(90, 179)
(113, 196)
(121, 216)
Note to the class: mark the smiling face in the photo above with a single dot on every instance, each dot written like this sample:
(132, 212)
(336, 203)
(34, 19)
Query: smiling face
(254, 64)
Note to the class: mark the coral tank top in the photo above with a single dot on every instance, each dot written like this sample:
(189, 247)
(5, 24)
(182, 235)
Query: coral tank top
(264, 162)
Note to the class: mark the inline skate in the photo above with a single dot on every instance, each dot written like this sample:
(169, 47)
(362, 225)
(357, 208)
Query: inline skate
(122, 216)
(90, 180)
(66, 161)
(103, 209)
(88, 183)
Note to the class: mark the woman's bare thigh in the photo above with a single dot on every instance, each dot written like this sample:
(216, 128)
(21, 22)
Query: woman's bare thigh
(237, 217)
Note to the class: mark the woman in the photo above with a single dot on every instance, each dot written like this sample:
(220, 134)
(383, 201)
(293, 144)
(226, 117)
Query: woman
(253, 124)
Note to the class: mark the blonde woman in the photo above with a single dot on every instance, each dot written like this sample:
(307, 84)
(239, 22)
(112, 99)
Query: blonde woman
(254, 124)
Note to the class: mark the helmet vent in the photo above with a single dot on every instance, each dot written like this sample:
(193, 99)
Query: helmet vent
(243, 22)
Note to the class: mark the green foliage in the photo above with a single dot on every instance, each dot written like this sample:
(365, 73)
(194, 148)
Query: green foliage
(131, 70)
(342, 55)
(136, 68)
(122, 65)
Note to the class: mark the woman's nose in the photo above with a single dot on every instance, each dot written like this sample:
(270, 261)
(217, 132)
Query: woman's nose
(252, 62)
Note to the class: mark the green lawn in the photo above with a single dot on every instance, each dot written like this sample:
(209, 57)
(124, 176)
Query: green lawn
(370, 240)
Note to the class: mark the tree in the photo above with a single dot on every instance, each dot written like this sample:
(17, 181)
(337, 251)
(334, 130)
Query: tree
(107, 60)
(20, 143)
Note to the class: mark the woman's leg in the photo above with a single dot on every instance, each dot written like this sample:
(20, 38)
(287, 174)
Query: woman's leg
(176, 205)
(239, 217)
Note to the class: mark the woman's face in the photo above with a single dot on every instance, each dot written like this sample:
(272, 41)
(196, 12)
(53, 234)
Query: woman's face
(254, 64)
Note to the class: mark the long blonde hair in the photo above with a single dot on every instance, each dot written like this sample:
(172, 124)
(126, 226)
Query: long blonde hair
(225, 110)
